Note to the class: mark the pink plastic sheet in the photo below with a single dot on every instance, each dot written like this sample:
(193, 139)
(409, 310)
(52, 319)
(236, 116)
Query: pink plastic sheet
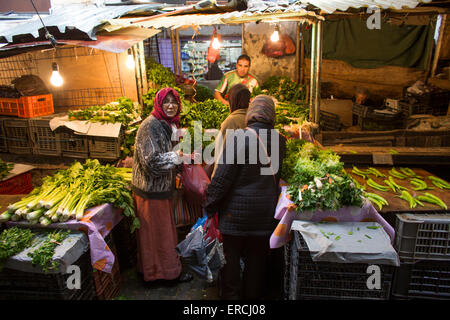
(286, 214)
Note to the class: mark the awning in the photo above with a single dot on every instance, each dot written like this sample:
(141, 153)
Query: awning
(236, 17)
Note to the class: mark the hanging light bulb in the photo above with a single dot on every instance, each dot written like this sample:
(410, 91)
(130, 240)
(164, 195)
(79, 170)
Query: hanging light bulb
(56, 79)
(130, 60)
(275, 35)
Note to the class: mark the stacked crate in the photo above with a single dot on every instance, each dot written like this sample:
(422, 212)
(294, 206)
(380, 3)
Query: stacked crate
(306, 279)
(434, 102)
(423, 245)
(107, 285)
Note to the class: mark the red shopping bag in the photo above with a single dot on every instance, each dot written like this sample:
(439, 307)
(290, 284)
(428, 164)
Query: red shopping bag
(212, 229)
(195, 182)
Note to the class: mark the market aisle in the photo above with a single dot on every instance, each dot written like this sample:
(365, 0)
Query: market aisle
(133, 288)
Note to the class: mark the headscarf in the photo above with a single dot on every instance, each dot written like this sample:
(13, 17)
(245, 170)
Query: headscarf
(239, 97)
(261, 109)
(158, 111)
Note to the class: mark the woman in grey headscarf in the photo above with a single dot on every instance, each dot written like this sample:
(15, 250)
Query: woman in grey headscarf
(245, 196)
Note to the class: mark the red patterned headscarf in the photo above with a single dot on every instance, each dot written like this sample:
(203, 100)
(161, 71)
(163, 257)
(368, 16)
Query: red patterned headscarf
(158, 111)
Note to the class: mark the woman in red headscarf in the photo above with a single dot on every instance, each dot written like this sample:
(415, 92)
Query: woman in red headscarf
(155, 168)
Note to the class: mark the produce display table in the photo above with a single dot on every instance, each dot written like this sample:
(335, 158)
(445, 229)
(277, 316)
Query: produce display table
(97, 224)
(406, 155)
(286, 214)
(397, 205)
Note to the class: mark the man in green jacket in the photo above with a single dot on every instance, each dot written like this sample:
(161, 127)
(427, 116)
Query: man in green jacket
(240, 75)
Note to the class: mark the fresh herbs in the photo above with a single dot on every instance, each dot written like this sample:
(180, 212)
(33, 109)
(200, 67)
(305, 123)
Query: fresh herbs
(13, 241)
(211, 113)
(123, 110)
(5, 168)
(44, 254)
(319, 182)
(283, 89)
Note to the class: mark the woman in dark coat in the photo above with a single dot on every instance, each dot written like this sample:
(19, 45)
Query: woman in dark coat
(245, 194)
(155, 168)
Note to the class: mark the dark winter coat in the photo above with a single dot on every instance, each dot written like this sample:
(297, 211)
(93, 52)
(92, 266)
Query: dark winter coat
(245, 199)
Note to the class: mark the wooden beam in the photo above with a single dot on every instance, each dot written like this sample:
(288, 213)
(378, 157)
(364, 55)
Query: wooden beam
(174, 54)
(297, 54)
(302, 60)
(178, 52)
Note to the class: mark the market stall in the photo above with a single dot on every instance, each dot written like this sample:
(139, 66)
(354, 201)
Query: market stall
(320, 201)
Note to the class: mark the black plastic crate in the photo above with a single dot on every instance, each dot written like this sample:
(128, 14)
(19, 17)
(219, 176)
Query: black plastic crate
(3, 140)
(19, 285)
(426, 238)
(410, 109)
(44, 140)
(435, 98)
(105, 147)
(73, 145)
(422, 280)
(328, 280)
(329, 121)
(18, 136)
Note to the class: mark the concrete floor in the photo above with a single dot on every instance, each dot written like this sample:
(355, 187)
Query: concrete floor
(134, 288)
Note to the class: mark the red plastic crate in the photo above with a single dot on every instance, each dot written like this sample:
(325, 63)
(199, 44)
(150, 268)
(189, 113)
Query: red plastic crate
(27, 107)
(20, 184)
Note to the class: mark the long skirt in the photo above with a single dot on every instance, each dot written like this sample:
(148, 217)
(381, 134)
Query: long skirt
(157, 239)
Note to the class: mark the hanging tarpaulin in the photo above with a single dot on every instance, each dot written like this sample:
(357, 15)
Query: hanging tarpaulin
(350, 40)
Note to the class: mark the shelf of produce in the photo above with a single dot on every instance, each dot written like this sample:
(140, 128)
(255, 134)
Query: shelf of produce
(397, 205)
(403, 156)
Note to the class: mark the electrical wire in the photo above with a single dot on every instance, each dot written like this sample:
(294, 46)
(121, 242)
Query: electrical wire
(48, 35)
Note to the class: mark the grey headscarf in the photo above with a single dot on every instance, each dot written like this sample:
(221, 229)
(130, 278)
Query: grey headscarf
(261, 109)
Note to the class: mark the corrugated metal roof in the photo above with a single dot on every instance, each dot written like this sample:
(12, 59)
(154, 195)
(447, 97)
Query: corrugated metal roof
(331, 6)
(82, 17)
(211, 19)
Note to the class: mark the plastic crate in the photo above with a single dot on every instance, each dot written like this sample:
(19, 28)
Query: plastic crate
(20, 184)
(3, 140)
(125, 243)
(73, 145)
(329, 121)
(329, 280)
(18, 136)
(409, 109)
(424, 239)
(435, 98)
(27, 107)
(423, 280)
(44, 140)
(107, 285)
(19, 285)
(105, 147)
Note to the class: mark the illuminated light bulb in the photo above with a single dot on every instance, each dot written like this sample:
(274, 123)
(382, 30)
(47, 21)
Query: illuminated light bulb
(130, 60)
(56, 79)
(275, 36)
(216, 43)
